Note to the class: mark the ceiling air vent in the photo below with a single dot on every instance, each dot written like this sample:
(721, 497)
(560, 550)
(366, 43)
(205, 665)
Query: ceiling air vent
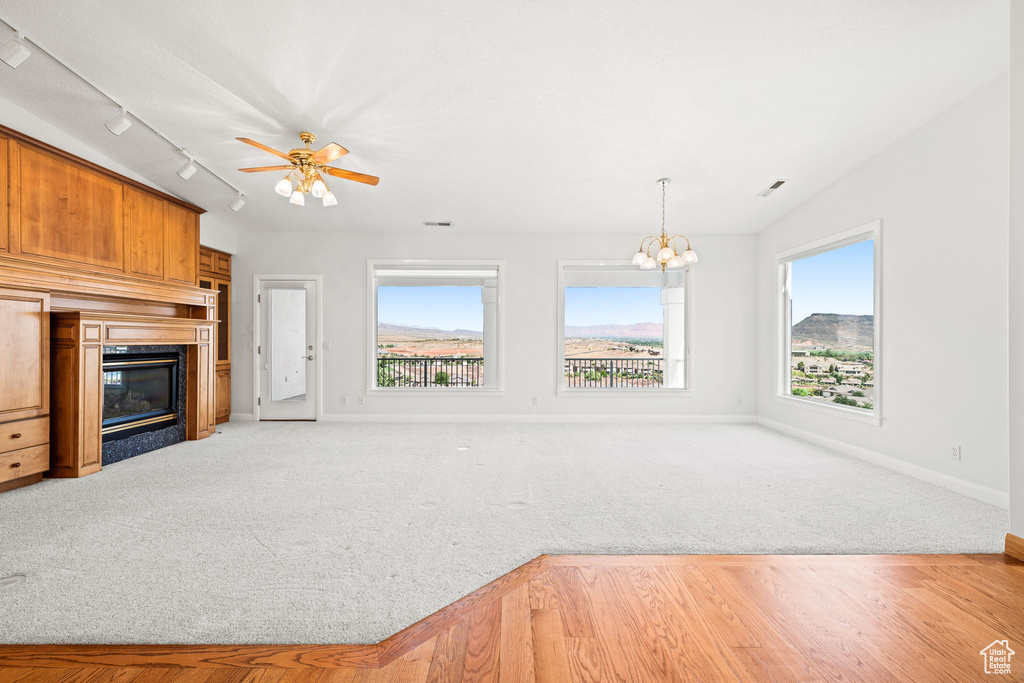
(438, 224)
(771, 188)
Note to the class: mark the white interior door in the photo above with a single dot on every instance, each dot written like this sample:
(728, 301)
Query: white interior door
(288, 355)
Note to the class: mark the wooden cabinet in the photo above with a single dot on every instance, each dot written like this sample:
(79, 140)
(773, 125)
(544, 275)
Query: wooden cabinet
(24, 385)
(215, 274)
(63, 212)
(69, 213)
(144, 234)
(182, 239)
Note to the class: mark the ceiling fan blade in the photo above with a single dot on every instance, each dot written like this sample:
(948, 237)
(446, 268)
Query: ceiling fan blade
(329, 153)
(266, 168)
(352, 175)
(260, 145)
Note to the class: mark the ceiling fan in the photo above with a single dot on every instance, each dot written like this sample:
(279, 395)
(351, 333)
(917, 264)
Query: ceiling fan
(307, 167)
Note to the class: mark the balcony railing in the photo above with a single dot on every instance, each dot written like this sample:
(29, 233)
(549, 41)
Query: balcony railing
(430, 372)
(631, 373)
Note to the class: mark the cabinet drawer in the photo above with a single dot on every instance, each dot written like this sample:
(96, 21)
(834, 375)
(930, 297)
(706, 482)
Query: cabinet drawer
(24, 433)
(18, 464)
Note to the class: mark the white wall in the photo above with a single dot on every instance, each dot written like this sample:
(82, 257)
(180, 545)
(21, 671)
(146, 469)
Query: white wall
(941, 194)
(723, 333)
(211, 233)
(1016, 252)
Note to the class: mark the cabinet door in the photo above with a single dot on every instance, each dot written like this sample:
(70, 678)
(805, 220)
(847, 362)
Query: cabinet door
(144, 215)
(222, 264)
(4, 220)
(223, 395)
(224, 321)
(205, 260)
(182, 244)
(24, 354)
(66, 213)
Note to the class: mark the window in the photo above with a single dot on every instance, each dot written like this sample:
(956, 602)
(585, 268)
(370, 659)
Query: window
(622, 329)
(435, 325)
(829, 326)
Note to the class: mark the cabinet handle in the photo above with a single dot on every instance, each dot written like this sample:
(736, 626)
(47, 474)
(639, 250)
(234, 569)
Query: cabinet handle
(16, 435)
(17, 464)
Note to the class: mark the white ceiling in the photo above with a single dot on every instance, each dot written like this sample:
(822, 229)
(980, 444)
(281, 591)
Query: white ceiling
(511, 116)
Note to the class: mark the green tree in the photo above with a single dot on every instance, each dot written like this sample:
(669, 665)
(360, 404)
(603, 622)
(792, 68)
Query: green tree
(441, 378)
(800, 366)
(845, 400)
(384, 378)
(859, 394)
(797, 391)
(867, 405)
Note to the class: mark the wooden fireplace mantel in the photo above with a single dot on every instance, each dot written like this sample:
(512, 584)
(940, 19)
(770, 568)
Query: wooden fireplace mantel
(77, 339)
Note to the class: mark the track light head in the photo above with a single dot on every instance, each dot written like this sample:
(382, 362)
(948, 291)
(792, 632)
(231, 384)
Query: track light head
(237, 204)
(189, 169)
(119, 123)
(15, 52)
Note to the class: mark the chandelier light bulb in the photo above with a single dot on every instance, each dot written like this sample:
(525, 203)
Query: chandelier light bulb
(665, 254)
(284, 187)
(648, 264)
(318, 188)
(639, 258)
(119, 123)
(330, 199)
(689, 257)
(298, 199)
(15, 52)
(674, 262)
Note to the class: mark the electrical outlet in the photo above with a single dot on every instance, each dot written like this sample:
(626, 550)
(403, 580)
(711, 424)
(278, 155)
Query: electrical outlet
(362, 400)
(955, 452)
(535, 401)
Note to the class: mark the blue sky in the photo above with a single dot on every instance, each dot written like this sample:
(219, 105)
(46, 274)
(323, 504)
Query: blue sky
(446, 308)
(838, 281)
(612, 305)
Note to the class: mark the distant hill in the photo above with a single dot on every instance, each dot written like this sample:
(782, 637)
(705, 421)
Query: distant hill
(634, 331)
(835, 329)
(425, 332)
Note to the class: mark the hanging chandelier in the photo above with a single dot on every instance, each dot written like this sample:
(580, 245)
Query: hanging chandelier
(668, 255)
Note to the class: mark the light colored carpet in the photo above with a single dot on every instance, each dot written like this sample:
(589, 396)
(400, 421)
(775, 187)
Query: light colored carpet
(347, 533)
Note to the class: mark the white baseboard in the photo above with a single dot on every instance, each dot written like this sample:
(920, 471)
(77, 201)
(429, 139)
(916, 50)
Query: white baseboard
(449, 417)
(970, 489)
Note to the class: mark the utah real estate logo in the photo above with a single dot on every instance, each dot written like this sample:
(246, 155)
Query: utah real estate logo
(997, 657)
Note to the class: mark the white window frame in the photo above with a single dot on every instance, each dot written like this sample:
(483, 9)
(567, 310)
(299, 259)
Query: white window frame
(784, 323)
(617, 392)
(372, 265)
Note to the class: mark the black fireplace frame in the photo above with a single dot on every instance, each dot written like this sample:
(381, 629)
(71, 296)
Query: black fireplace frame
(116, 428)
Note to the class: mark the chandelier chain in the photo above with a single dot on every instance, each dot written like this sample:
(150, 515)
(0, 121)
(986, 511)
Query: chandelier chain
(663, 183)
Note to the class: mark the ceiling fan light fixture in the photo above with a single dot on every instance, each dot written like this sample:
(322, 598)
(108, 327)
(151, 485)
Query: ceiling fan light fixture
(284, 186)
(330, 199)
(15, 52)
(298, 198)
(237, 204)
(318, 189)
(119, 123)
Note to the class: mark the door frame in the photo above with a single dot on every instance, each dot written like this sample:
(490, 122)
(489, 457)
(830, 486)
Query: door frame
(257, 284)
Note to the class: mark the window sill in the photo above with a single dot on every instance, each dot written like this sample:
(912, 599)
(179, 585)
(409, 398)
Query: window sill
(617, 392)
(847, 413)
(430, 391)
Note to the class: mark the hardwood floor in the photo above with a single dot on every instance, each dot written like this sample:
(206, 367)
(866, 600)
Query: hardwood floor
(638, 618)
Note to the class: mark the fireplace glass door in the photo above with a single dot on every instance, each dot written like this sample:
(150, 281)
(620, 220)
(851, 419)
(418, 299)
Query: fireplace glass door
(140, 393)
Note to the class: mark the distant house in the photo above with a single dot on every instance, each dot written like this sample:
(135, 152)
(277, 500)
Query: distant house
(851, 368)
(827, 380)
(814, 369)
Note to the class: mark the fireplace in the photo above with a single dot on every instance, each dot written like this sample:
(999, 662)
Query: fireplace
(140, 393)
